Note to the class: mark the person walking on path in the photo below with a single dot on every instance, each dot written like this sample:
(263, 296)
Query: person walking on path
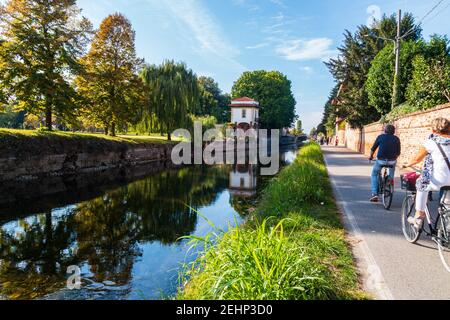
(389, 149)
(436, 169)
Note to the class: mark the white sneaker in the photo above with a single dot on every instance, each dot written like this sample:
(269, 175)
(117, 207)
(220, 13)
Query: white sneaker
(416, 222)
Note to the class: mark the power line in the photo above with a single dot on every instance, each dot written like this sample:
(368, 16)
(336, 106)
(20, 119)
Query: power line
(431, 11)
(438, 13)
(421, 20)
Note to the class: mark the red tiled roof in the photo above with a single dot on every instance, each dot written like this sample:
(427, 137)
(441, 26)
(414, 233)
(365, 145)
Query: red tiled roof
(243, 106)
(243, 99)
(244, 102)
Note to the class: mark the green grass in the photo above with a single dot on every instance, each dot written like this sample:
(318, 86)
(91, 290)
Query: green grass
(28, 143)
(30, 134)
(294, 248)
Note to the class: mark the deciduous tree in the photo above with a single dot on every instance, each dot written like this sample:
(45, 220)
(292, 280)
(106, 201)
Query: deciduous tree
(379, 86)
(430, 83)
(355, 58)
(212, 101)
(41, 42)
(111, 85)
(174, 96)
(272, 90)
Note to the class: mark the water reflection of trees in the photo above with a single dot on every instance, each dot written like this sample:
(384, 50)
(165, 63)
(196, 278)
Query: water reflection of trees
(34, 255)
(107, 234)
(104, 232)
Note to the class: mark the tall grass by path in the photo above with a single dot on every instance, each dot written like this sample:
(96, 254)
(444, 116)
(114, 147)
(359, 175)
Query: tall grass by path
(293, 248)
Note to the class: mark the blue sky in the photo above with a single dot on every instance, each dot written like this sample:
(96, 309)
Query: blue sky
(223, 38)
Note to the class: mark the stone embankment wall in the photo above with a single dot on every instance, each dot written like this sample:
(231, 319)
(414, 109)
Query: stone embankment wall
(29, 160)
(412, 130)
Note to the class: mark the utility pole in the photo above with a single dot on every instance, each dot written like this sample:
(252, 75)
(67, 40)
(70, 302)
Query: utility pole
(397, 59)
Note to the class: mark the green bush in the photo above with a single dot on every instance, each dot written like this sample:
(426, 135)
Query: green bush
(399, 112)
(424, 80)
(430, 84)
(380, 80)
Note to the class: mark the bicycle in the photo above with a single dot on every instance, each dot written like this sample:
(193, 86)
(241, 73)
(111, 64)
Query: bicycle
(386, 186)
(438, 229)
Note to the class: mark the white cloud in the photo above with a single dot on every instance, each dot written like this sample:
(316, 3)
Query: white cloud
(298, 50)
(307, 70)
(279, 17)
(249, 4)
(278, 2)
(257, 46)
(199, 27)
(202, 26)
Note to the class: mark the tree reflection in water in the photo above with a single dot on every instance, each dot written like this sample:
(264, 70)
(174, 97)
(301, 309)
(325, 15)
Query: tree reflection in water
(33, 255)
(104, 233)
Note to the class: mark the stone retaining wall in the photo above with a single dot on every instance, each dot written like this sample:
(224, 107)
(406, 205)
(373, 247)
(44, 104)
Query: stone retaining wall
(74, 160)
(412, 130)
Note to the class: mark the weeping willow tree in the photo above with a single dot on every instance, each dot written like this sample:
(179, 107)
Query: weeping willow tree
(174, 96)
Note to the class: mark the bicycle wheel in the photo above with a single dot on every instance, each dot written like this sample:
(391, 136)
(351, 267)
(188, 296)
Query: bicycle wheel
(443, 240)
(411, 234)
(388, 193)
(380, 185)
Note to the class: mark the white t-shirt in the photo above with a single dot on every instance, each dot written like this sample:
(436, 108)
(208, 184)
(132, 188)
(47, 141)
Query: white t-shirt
(441, 172)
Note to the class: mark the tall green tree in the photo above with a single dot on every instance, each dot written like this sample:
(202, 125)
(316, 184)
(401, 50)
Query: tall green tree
(327, 126)
(111, 85)
(272, 90)
(422, 79)
(174, 96)
(212, 101)
(352, 66)
(379, 86)
(430, 83)
(41, 42)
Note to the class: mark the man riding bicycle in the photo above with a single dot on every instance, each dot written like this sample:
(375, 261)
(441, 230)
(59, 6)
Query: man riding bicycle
(389, 149)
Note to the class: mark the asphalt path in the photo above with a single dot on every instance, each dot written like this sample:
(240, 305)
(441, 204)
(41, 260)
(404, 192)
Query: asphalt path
(391, 268)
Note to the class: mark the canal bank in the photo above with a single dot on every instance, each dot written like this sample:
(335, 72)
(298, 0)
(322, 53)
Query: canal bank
(124, 234)
(292, 248)
(32, 155)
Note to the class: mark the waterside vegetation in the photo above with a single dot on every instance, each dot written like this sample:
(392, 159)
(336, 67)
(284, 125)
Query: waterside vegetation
(293, 247)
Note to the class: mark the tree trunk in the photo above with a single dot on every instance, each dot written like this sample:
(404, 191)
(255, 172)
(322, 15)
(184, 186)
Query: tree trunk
(169, 137)
(50, 262)
(113, 130)
(106, 130)
(48, 118)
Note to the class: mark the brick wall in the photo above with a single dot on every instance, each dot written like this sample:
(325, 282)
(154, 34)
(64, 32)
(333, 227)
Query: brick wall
(412, 130)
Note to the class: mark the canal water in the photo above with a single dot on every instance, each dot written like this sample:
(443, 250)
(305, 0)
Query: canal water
(125, 240)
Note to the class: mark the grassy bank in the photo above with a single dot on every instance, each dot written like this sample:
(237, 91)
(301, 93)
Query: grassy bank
(294, 248)
(31, 142)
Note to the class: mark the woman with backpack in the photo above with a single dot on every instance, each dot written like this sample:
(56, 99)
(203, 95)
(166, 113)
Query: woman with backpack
(436, 169)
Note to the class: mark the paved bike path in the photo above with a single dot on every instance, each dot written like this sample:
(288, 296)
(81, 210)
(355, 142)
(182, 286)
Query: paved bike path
(391, 267)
